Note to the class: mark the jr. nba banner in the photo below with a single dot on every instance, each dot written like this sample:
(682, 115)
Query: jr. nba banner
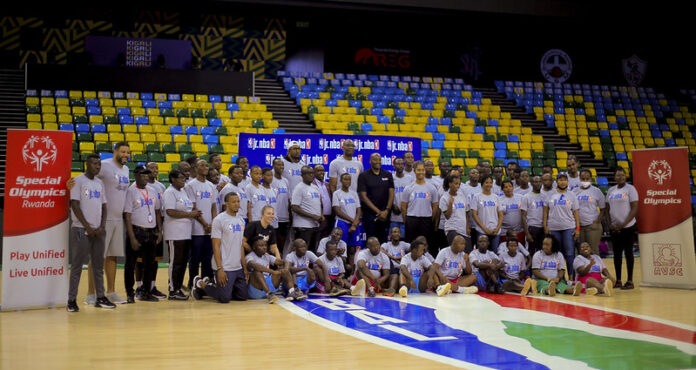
(35, 240)
(665, 229)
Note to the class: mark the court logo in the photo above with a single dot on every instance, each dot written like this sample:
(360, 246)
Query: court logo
(39, 151)
(556, 66)
(660, 171)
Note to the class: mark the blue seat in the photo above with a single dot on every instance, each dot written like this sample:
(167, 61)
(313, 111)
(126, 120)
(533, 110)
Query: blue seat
(208, 130)
(94, 110)
(279, 130)
(602, 181)
(499, 145)
(215, 122)
(176, 130)
(438, 144)
(142, 120)
(211, 139)
(82, 128)
(149, 104)
(125, 120)
(66, 127)
(192, 130)
(99, 128)
(123, 111)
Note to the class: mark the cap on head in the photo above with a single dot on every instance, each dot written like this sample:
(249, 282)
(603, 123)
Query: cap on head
(142, 170)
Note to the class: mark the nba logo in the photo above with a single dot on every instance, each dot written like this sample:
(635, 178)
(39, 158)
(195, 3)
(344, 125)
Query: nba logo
(285, 142)
(410, 146)
(250, 143)
(389, 145)
(304, 158)
(326, 158)
(376, 144)
(308, 143)
(360, 157)
(273, 143)
(393, 158)
(321, 143)
(269, 159)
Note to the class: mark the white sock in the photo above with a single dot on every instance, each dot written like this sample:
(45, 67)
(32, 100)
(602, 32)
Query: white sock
(460, 289)
(138, 284)
(291, 290)
(152, 285)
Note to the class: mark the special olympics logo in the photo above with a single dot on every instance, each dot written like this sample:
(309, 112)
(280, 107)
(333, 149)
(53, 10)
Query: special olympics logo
(39, 151)
(660, 171)
(556, 66)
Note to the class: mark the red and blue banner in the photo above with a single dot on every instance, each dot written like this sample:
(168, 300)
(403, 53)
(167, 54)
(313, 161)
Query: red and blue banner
(35, 240)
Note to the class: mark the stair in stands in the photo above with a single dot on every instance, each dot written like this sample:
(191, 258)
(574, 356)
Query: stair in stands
(550, 134)
(284, 109)
(12, 113)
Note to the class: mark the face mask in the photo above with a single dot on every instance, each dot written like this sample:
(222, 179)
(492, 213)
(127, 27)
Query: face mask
(585, 184)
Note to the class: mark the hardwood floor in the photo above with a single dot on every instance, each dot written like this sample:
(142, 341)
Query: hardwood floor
(242, 335)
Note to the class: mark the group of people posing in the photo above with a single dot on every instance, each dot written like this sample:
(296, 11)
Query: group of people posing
(265, 232)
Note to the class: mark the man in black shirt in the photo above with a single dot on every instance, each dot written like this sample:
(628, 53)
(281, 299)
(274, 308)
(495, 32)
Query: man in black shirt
(376, 191)
(263, 229)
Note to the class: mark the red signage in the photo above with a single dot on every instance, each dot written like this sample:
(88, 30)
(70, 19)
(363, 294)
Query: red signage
(38, 167)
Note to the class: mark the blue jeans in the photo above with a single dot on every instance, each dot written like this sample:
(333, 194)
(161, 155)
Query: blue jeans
(565, 238)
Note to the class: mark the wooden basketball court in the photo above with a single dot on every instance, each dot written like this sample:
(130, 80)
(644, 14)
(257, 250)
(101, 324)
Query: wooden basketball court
(497, 331)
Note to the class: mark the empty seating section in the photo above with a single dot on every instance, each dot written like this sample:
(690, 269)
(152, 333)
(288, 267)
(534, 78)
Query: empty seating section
(609, 121)
(164, 128)
(453, 120)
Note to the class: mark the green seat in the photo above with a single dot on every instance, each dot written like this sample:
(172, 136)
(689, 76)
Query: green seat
(110, 120)
(75, 156)
(78, 102)
(460, 153)
(550, 154)
(152, 147)
(217, 148)
(257, 123)
(156, 157)
(455, 129)
(85, 136)
(397, 119)
(473, 153)
(210, 113)
(77, 166)
(447, 153)
(186, 155)
(168, 148)
(364, 111)
(140, 157)
(197, 113)
(537, 155)
(33, 109)
(166, 112)
(352, 126)
(104, 148)
(185, 148)
(220, 131)
(489, 137)
(80, 118)
(182, 112)
(549, 146)
(163, 176)
(511, 154)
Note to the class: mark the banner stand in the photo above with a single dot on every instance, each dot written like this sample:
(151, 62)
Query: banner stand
(665, 221)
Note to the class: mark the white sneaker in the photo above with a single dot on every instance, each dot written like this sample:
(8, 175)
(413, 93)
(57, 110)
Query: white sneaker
(443, 289)
(403, 291)
(114, 298)
(91, 299)
(591, 291)
(470, 290)
(358, 288)
(608, 288)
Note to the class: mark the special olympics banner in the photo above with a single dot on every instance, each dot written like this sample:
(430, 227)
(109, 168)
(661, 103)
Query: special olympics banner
(665, 229)
(35, 240)
(261, 149)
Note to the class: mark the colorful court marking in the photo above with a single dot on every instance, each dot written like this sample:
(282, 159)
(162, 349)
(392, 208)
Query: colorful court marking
(507, 331)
